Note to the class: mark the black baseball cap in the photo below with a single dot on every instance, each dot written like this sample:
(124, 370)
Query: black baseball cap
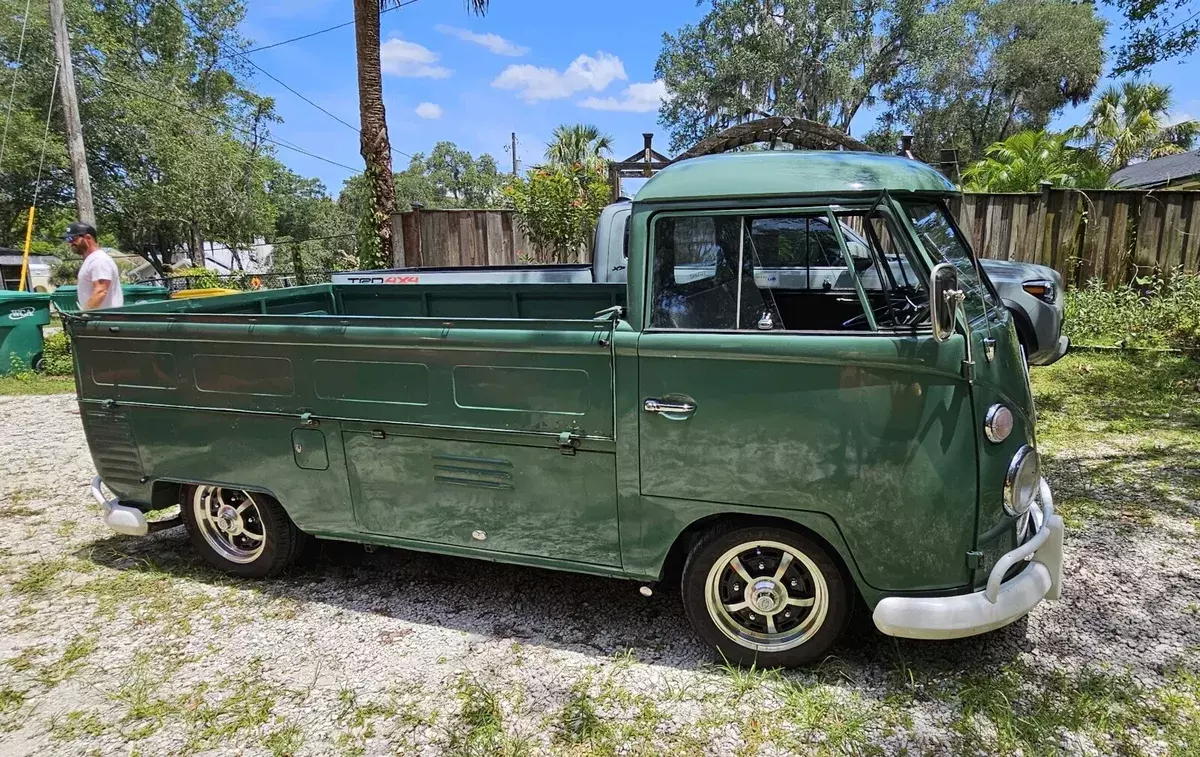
(79, 229)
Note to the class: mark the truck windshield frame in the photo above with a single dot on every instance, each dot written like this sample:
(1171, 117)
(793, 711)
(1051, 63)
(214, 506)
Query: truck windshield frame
(933, 227)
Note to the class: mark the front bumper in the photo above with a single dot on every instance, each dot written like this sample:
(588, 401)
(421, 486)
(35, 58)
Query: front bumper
(1052, 355)
(999, 604)
(120, 518)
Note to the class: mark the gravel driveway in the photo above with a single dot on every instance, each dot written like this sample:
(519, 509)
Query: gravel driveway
(112, 645)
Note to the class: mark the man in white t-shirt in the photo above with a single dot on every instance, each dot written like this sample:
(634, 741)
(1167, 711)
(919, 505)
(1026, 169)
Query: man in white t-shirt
(99, 281)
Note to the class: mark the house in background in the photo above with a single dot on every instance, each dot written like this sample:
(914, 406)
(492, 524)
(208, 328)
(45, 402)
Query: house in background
(38, 275)
(217, 258)
(1180, 171)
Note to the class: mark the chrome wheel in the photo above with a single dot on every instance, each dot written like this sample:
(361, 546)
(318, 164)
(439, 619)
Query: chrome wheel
(230, 522)
(767, 596)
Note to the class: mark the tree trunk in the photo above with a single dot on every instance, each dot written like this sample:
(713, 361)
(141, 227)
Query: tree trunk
(375, 147)
(66, 76)
(196, 245)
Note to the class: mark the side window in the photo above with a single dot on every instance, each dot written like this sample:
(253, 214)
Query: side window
(782, 272)
(695, 282)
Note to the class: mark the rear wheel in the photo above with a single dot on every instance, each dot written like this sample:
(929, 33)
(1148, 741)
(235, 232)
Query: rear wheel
(765, 596)
(242, 533)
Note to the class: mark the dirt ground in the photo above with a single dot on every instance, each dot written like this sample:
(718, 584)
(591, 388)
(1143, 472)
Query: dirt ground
(116, 646)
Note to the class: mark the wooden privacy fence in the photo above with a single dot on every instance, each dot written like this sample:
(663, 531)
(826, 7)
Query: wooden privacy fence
(442, 238)
(1112, 235)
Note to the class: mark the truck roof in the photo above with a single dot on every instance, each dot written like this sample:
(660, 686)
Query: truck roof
(791, 172)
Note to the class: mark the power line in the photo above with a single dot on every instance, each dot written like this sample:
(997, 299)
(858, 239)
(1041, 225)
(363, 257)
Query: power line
(222, 122)
(16, 73)
(189, 17)
(322, 31)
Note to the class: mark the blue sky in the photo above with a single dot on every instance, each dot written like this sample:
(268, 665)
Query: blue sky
(525, 67)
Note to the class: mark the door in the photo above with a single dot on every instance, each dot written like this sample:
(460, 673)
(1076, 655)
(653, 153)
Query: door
(861, 417)
(497, 439)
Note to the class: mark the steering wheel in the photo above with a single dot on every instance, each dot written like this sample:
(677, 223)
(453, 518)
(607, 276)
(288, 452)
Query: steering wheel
(906, 313)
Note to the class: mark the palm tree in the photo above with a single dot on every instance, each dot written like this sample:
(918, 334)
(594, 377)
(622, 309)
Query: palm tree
(1028, 158)
(374, 145)
(576, 147)
(1128, 124)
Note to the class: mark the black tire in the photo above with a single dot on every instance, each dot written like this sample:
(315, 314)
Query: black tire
(284, 543)
(38, 363)
(805, 645)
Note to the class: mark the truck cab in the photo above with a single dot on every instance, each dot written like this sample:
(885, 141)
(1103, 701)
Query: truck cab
(804, 395)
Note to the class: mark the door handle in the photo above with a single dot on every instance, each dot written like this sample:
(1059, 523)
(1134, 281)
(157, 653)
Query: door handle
(671, 410)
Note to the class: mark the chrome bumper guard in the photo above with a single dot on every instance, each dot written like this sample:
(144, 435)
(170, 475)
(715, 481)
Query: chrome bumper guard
(120, 518)
(999, 604)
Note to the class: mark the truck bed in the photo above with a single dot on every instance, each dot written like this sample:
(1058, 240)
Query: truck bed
(312, 392)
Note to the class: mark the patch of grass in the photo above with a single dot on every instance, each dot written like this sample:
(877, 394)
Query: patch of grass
(480, 728)
(25, 384)
(69, 663)
(67, 528)
(10, 699)
(76, 725)
(1178, 713)
(39, 576)
(27, 658)
(18, 511)
(578, 722)
(818, 719)
(285, 741)
(1094, 394)
(743, 681)
(247, 706)
(150, 595)
(1028, 713)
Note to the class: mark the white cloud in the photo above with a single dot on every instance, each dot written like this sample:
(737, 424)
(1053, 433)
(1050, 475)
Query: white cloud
(639, 97)
(429, 110)
(400, 57)
(532, 83)
(493, 42)
(1178, 118)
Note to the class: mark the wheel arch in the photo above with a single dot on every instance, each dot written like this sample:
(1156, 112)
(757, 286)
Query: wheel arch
(816, 526)
(1025, 330)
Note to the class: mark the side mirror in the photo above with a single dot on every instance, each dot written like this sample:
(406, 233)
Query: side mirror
(944, 296)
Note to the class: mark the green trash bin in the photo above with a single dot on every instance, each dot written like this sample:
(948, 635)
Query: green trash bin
(22, 316)
(138, 293)
(66, 299)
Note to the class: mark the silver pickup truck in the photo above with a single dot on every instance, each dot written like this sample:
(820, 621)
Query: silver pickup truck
(1032, 293)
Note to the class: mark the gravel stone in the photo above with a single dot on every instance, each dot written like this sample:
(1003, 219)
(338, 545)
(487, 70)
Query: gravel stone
(368, 652)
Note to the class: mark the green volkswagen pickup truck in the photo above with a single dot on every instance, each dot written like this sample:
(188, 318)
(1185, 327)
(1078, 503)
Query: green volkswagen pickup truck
(855, 429)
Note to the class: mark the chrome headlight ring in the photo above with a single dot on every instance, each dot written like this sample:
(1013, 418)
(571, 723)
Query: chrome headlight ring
(1021, 482)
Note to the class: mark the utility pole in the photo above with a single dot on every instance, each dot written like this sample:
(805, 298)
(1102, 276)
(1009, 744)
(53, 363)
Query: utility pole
(66, 89)
(514, 152)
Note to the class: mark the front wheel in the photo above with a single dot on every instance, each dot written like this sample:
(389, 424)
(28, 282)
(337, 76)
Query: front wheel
(765, 596)
(243, 533)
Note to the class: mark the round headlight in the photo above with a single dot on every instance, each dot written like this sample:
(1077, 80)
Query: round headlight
(1021, 484)
(998, 424)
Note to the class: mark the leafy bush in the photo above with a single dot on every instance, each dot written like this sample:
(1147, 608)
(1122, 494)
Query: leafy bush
(558, 208)
(1155, 311)
(56, 355)
(66, 272)
(201, 278)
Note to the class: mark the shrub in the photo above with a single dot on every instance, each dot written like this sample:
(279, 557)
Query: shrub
(66, 272)
(1155, 311)
(200, 278)
(56, 355)
(557, 209)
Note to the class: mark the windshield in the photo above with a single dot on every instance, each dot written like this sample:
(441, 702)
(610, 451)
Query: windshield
(943, 242)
